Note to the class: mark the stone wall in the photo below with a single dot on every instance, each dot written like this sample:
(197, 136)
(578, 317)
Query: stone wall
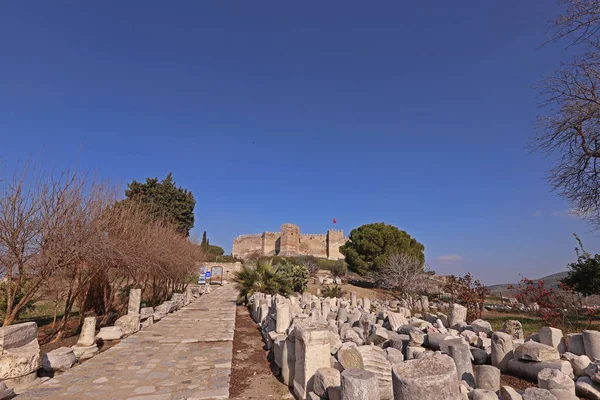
(289, 242)
(313, 245)
(246, 246)
(228, 268)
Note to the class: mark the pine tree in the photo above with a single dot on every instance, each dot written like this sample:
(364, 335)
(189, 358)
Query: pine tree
(204, 243)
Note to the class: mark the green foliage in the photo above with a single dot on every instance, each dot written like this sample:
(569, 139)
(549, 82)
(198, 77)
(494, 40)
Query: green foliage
(29, 306)
(584, 275)
(227, 259)
(297, 275)
(370, 245)
(164, 200)
(204, 243)
(332, 291)
(262, 278)
(339, 269)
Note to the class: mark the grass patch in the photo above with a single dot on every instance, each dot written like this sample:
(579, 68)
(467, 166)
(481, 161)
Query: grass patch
(530, 324)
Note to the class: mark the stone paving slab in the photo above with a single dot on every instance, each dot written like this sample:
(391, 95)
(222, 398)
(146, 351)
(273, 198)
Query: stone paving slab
(184, 356)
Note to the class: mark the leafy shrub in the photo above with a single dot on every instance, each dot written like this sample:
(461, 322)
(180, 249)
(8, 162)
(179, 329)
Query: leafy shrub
(262, 278)
(310, 262)
(332, 291)
(469, 292)
(339, 269)
(297, 275)
(30, 305)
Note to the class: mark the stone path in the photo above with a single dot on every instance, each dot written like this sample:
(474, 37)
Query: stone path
(186, 355)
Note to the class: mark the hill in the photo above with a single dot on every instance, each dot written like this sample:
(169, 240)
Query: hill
(550, 281)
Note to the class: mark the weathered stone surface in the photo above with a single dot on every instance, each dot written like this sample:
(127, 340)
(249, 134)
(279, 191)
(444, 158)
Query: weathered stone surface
(324, 379)
(394, 356)
(579, 363)
(480, 325)
(533, 351)
(487, 377)
(514, 328)
(461, 354)
(17, 335)
(563, 394)
(19, 361)
(480, 356)
(458, 315)
(379, 336)
(374, 359)
(129, 323)
(508, 393)
(5, 392)
(554, 379)
(85, 352)
(553, 337)
(591, 343)
(135, 301)
(60, 359)
(87, 337)
(396, 320)
(146, 312)
(358, 384)
(537, 394)
(283, 318)
(416, 336)
(529, 369)
(110, 333)
(502, 350)
(288, 361)
(575, 344)
(482, 394)
(312, 353)
(593, 370)
(432, 378)
(587, 389)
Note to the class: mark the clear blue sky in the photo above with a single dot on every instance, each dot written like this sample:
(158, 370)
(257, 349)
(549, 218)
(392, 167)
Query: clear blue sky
(415, 114)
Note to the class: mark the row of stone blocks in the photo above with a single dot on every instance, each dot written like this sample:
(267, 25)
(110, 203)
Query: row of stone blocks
(332, 348)
(21, 359)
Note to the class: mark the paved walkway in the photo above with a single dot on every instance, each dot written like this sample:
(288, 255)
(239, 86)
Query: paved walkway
(186, 355)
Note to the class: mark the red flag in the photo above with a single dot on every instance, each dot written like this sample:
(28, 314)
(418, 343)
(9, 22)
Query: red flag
(335, 221)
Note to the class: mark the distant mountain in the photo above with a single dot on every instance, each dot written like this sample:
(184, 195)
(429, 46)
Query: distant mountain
(549, 281)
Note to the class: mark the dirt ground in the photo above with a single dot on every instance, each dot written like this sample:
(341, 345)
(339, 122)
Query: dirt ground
(252, 375)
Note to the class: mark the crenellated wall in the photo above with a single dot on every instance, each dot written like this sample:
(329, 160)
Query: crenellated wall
(289, 242)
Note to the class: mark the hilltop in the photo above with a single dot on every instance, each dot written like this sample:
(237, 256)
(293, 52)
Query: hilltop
(550, 281)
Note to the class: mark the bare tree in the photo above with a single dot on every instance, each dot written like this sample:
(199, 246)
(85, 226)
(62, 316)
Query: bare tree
(571, 126)
(402, 273)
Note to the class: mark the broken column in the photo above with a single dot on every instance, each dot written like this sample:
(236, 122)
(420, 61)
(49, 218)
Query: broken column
(358, 384)
(458, 315)
(135, 301)
(312, 352)
(432, 378)
(461, 354)
(19, 354)
(502, 350)
(130, 323)
(591, 343)
(86, 344)
(282, 317)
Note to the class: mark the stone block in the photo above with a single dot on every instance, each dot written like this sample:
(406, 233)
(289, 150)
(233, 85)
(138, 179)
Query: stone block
(487, 377)
(587, 388)
(312, 352)
(87, 337)
(374, 359)
(461, 354)
(480, 325)
(110, 333)
(514, 328)
(508, 393)
(579, 363)
(324, 379)
(358, 384)
(591, 343)
(533, 351)
(85, 352)
(60, 359)
(575, 344)
(17, 335)
(129, 323)
(553, 337)
(458, 314)
(502, 350)
(537, 394)
(135, 301)
(432, 378)
(146, 312)
(530, 369)
(551, 379)
(482, 394)
(19, 361)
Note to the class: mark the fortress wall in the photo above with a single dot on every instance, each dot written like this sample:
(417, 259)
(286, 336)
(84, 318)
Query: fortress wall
(228, 268)
(314, 245)
(245, 246)
(270, 244)
(335, 239)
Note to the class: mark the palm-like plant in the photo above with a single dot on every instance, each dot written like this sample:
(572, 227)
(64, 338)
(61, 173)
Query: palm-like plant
(264, 278)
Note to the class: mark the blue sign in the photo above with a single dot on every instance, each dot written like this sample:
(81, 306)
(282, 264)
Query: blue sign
(207, 274)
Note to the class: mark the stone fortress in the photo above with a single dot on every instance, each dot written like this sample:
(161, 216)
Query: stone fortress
(289, 242)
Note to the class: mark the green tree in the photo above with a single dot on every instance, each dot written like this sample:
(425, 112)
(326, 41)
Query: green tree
(165, 201)
(584, 275)
(370, 246)
(297, 275)
(204, 243)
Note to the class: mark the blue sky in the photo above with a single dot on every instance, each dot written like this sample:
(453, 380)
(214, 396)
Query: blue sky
(415, 114)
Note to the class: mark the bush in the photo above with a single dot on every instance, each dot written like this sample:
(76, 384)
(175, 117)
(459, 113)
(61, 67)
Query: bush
(469, 292)
(332, 291)
(264, 278)
(296, 275)
(339, 269)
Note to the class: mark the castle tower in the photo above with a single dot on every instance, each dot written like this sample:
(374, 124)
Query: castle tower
(335, 239)
(289, 244)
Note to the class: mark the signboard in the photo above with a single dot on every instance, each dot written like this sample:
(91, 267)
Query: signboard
(207, 274)
(217, 275)
(202, 275)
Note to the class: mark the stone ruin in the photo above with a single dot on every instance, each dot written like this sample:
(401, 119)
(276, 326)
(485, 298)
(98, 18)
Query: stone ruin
(362, 349)
(22, 363)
